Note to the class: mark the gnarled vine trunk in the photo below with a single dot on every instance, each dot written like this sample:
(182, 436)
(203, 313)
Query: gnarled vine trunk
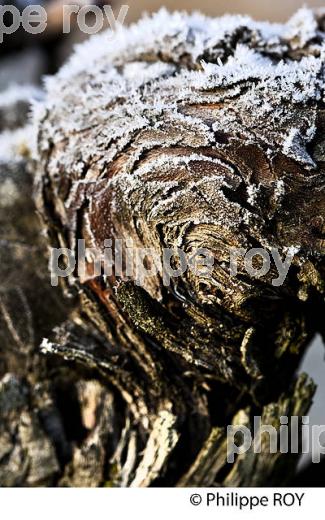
(187, 132)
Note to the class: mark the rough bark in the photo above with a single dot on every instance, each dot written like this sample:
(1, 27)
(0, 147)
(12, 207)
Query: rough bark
(51, 414)
(192, 132)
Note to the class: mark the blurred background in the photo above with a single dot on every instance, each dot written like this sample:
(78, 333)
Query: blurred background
(275, 11)
(24, 59)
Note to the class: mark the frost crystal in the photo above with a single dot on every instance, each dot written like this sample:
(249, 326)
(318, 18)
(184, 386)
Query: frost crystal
(122, 86)
(184, 110)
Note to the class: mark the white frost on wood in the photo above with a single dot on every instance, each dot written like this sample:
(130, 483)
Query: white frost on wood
(301, 28)
(121, 84)
(138, 100)
(294, 146)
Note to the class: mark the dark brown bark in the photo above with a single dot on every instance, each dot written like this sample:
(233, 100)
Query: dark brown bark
(197, 133)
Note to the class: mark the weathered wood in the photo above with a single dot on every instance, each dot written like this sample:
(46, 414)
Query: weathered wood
(192, 132)
(45, 435)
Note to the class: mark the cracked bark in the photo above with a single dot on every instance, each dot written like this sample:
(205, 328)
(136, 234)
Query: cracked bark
(176, 139)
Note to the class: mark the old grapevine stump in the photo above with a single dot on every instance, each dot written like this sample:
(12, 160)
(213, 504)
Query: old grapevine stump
(192, 132)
